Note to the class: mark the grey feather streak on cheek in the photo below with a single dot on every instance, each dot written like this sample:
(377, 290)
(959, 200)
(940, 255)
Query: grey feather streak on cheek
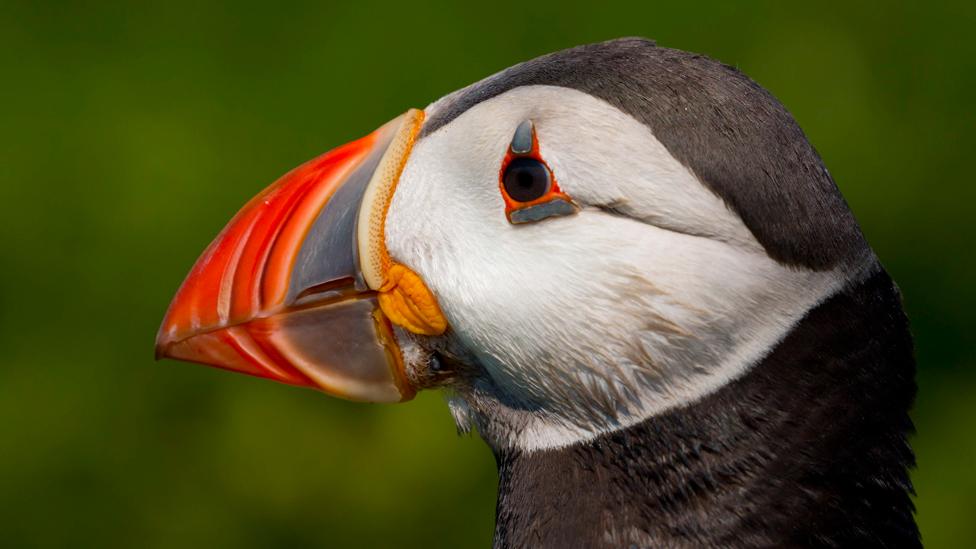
(605, 381)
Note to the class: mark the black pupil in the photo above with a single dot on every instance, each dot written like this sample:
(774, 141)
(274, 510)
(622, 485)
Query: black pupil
(526, 179)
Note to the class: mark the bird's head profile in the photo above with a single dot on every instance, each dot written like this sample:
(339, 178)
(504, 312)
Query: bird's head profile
(573, 247)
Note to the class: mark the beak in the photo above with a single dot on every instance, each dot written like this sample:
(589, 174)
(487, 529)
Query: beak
(291, 289)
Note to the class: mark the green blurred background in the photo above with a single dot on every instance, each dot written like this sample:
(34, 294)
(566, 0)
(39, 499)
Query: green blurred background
(131, 135)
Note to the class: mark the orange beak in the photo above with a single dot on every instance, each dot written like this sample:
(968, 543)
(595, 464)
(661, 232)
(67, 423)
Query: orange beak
(281, 292)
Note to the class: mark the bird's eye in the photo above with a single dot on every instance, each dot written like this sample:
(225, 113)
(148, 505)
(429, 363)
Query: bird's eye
(526, 179)
(527, 183)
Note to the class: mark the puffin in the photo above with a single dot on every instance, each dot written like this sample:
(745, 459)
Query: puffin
(634, 278)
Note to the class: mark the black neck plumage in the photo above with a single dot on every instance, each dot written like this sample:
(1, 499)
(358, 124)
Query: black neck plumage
(808, 449)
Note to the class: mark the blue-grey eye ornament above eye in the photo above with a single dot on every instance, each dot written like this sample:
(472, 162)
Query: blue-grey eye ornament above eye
(528, 185)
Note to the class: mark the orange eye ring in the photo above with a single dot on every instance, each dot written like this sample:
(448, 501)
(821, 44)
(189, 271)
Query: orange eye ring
(522, 169)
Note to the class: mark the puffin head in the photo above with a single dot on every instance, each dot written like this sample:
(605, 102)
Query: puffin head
(571, 246)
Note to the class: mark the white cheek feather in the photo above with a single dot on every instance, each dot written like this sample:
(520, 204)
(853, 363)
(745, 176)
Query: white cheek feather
(592, 322)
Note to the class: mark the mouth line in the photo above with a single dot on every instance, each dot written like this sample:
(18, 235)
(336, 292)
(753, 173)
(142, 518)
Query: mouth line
(330, 292)
(338, 291)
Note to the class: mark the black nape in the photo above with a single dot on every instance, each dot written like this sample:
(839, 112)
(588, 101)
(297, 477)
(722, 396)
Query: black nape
(807, 449)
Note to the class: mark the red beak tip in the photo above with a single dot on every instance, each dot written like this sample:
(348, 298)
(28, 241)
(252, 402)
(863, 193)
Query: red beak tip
(160, 345)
